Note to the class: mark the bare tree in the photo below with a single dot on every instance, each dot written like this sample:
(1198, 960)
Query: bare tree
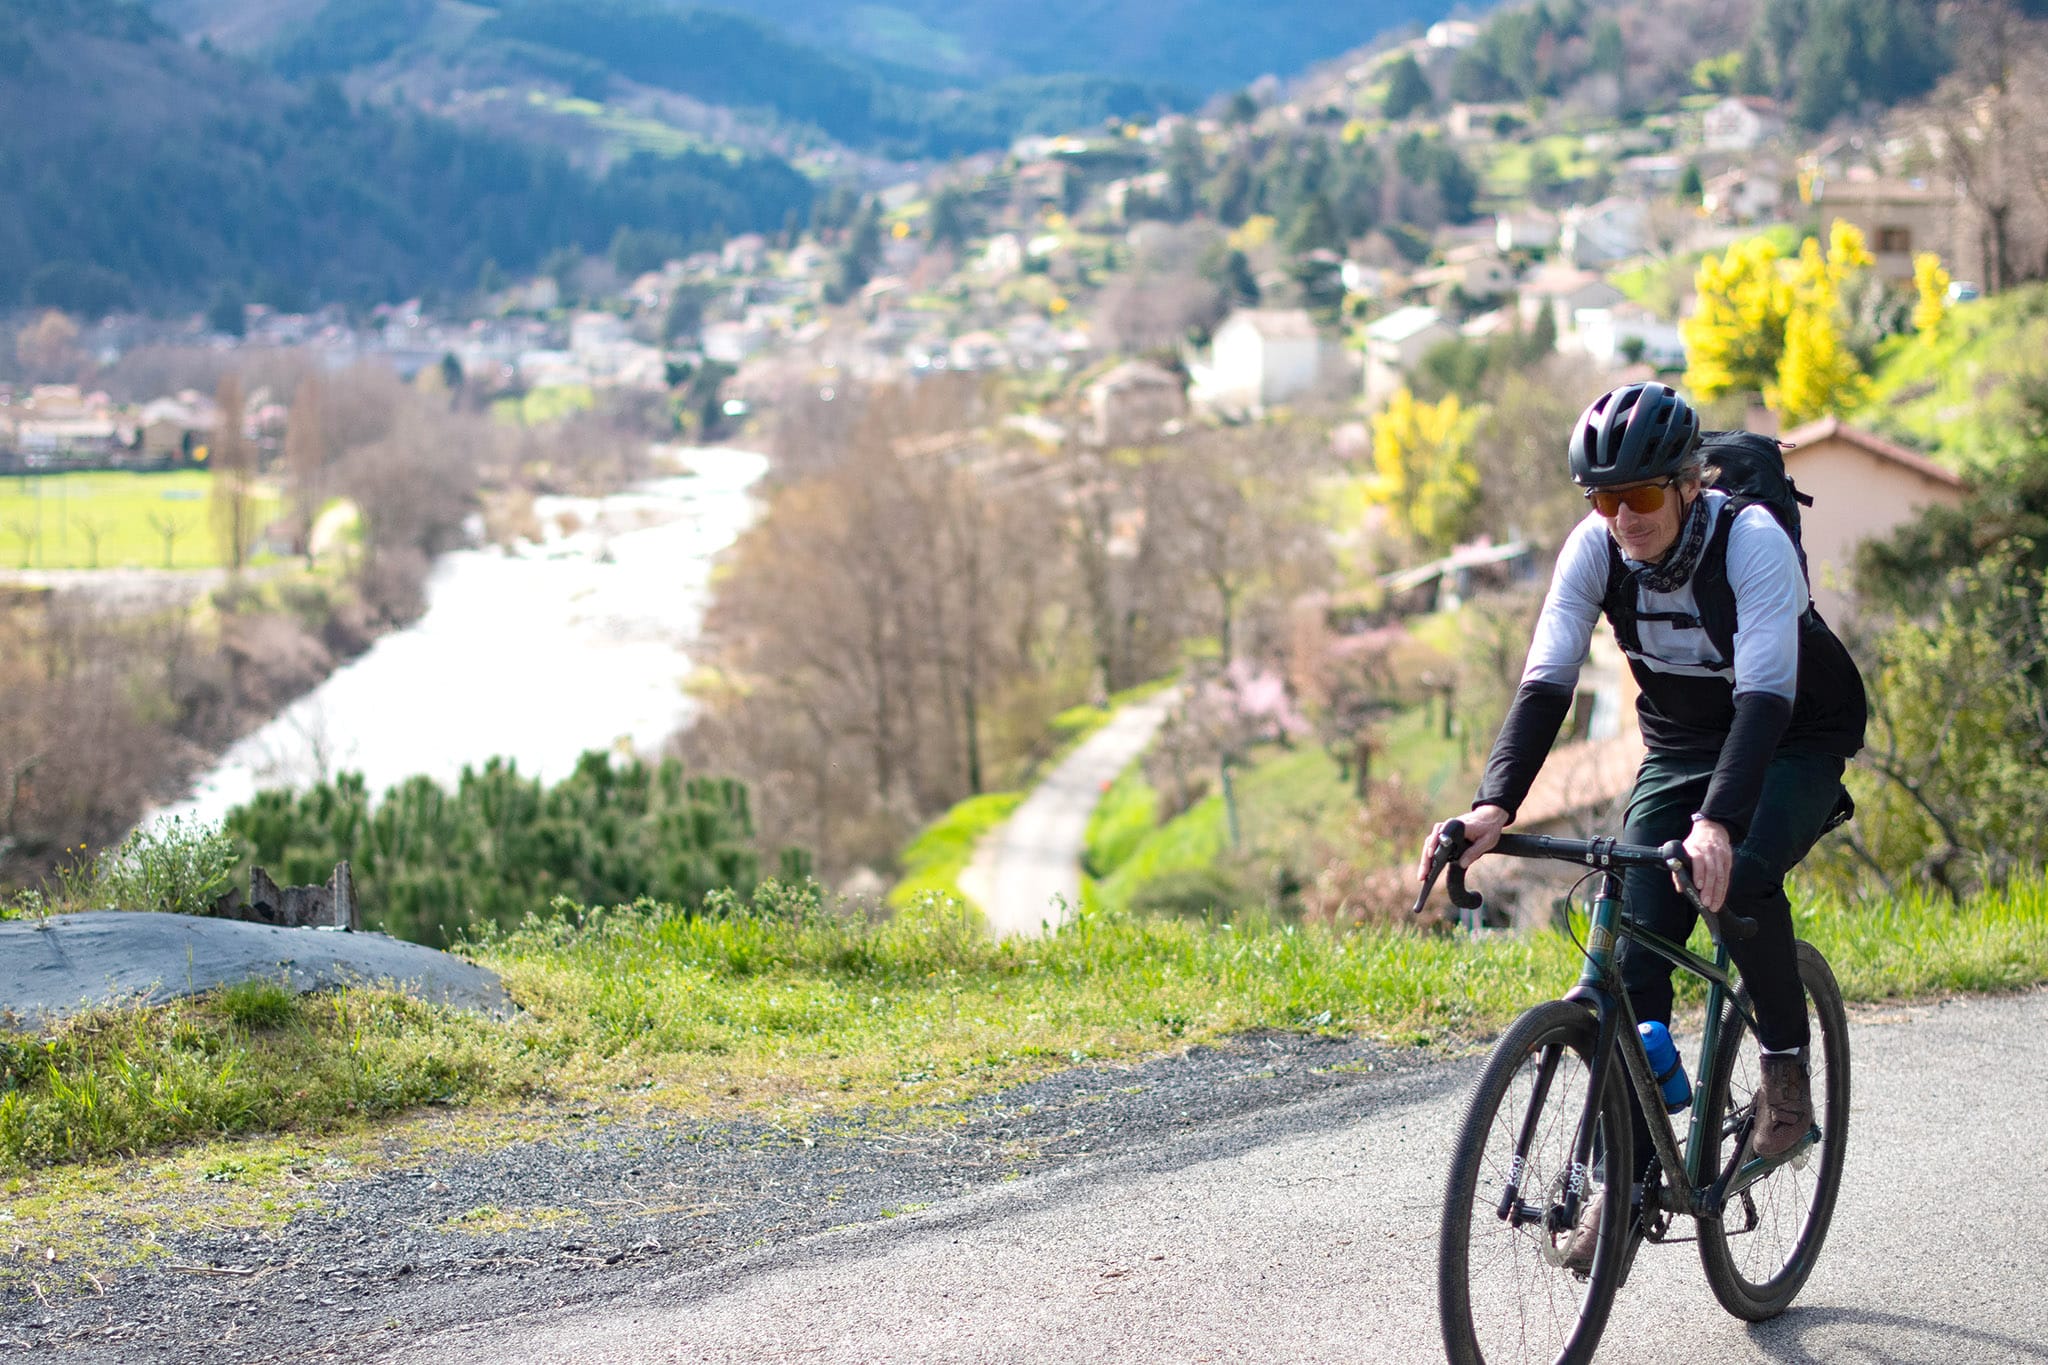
(27, 533)
(94, 527)
(232, 461)
(168, 528)
(47, 348)
(1988, 119)
(306, 456)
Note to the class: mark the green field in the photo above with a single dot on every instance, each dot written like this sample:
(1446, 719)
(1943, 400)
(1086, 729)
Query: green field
(110, 521)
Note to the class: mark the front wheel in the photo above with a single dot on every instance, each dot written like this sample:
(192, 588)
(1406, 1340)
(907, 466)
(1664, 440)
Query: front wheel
(1504, 1291)
(1759, 1252)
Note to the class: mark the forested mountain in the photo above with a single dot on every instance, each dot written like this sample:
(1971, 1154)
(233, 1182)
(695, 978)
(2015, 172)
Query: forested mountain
(144, 171)
(1200, 46)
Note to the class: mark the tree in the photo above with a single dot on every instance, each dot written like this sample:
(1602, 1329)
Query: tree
(1314, 228)
(1238, 517)
(168, 528)
(232, 460)
(1930, 292)
(946, 224)
(306, 455)
(1407, 88)
(47, 349)
(1186, 168)
(1690, 186)
(1423, 473)
(1817, 371)
(1981, 117)
(1733, 340)
(226, 314)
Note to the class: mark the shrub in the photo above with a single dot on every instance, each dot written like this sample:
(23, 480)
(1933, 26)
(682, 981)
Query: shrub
(173, 867)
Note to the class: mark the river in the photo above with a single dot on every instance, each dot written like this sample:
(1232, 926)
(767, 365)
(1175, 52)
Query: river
(581, 641)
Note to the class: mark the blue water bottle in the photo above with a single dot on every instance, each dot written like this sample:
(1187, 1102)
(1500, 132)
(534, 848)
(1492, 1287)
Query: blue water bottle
(1666, 1066)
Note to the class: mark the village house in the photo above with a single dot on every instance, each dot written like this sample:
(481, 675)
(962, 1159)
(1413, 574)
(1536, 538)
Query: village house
(1263, 356)
(1474, 271)
(1396, 343)
(1896, 217)
(1563, 291)
(744, 254)
(1863, 487)
(1476, 122)
(1525, 229)
(1003, 256)
(1741, 123)
(1612, 230)
(1652, 173)
(1135, 403)
(1744, 195)
(1623, 333)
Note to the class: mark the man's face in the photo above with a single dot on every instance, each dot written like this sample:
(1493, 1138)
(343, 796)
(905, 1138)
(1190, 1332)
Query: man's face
(1646, 536)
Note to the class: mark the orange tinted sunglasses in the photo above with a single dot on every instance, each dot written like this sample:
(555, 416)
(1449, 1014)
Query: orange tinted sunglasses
(1642, 499)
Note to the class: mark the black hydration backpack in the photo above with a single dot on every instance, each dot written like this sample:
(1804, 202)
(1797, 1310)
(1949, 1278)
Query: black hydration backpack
(1750, 468)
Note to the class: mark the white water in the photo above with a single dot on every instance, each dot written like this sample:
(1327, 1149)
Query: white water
(577, 643)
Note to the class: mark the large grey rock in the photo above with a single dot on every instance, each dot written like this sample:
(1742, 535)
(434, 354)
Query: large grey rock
(67, 963)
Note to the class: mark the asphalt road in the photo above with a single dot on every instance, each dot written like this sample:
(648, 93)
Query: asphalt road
(1026, 874)
(1307, 1234)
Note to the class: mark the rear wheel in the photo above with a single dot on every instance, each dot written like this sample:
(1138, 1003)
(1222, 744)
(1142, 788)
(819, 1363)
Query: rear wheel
(1759, 1252)
(1503, 1290)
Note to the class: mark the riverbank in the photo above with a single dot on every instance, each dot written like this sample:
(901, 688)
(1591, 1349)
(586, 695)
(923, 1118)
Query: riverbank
(564, 641)
(574, 639)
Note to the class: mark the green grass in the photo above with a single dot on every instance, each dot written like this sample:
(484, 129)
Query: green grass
(1506, 174)
(794, 1016)
(934, 860)
(1120, 821)
(627, 132)
(544, 405)
(1953, 393)
(47, 520)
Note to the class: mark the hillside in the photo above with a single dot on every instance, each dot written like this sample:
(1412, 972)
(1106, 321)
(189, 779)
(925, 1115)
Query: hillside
(1201, 46)
(155, 173)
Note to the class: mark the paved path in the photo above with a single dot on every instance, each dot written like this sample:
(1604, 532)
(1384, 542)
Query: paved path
(1026, 874)
(1308, 1234)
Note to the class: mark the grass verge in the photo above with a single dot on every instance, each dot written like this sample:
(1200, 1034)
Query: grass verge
(784, 1013)
(934, 860)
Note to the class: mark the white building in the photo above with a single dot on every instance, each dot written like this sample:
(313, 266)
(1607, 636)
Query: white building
(1525, 230)
(1597, 234)
(1394, 345)
(1622, 333)
(1741, 123)
(1563, 291)
(1263, 356)
(1743, 196)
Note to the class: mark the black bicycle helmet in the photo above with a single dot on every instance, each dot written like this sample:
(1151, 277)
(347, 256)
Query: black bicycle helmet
(1634, 433)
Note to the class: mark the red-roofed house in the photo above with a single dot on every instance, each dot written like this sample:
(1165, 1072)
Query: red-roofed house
(1862, 486)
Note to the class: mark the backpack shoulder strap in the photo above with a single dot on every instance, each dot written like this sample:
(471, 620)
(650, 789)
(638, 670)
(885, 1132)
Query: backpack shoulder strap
(1619, 602)
(1712, 594)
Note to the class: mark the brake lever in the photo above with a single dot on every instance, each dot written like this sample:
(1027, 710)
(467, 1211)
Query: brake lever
(1680, 862)
(1450, 846)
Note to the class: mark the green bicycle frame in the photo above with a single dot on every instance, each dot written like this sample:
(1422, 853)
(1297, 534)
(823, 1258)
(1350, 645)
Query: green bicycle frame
(1599, 986)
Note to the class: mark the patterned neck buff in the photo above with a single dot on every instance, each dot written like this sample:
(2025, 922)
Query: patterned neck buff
(1684, 556)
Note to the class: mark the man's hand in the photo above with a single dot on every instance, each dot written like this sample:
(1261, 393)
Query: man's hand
(1483, 825)
(1712, 858)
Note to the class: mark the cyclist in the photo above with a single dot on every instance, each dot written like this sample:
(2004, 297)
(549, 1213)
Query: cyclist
(1745, 753)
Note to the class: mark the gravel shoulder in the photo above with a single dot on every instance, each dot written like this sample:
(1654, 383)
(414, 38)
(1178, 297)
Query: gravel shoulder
(611, 1202)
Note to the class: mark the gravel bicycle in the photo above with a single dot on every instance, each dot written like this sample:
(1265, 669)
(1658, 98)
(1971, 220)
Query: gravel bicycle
(1548, 1129)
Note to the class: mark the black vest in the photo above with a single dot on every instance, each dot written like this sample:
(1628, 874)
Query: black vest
(1692, 714)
